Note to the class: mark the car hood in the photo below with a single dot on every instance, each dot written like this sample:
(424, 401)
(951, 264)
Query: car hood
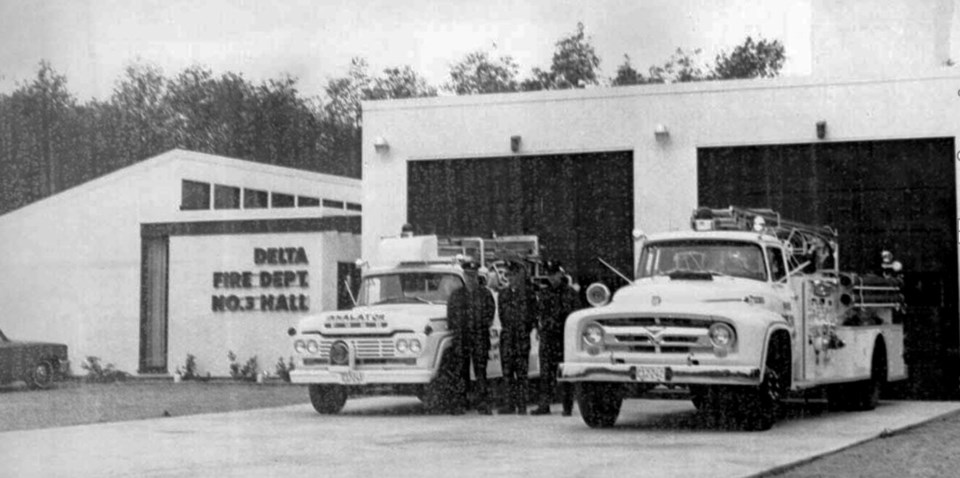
(378, 319)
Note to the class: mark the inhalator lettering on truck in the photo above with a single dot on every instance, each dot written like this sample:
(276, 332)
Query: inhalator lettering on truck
(742, 310)
(396, 337)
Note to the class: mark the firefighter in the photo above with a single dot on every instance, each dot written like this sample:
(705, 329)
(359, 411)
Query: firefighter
(555, 302)
(471, 309)
(516, 321)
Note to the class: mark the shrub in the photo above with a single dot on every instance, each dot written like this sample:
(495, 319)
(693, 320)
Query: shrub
(189, 369)
(247, 371)
(102, 374)
(284, 369)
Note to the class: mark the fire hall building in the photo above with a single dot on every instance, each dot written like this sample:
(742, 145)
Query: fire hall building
(867, 144)
(183, 253)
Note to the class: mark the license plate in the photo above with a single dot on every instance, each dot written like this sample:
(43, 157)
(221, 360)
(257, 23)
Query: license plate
(351, 377)
(649, 374)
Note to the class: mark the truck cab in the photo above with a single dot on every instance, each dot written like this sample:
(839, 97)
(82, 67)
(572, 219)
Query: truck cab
(740, 313)
(395, 338)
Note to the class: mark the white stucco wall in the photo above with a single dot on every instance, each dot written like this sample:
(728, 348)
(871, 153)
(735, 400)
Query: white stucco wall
(71, 263)
(195, 327)
(728, 113)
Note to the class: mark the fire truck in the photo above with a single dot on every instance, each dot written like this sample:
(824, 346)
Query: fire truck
(742, 310)
(395, 337)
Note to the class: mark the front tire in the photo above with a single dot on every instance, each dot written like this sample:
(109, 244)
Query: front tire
(41, 376)
(600, 404)
(759, 407)
(328, 399)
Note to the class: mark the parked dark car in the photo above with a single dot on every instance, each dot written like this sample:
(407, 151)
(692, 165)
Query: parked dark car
(37, 363)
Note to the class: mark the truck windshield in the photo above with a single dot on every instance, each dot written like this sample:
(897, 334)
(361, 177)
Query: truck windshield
(707, 257)
(410, 287)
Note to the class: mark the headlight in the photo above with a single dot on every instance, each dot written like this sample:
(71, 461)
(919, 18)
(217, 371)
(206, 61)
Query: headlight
(299, 347)
(402, 346)
(722, 336)
(312, 346)
(592, 335)
(415, 346)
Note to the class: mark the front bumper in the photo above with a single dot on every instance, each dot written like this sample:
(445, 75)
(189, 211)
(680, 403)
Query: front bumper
(348, 376)
(672, 374)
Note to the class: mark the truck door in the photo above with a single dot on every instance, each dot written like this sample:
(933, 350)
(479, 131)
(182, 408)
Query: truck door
(788, 300)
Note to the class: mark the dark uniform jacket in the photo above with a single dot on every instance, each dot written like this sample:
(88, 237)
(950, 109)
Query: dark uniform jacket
(470, 313)
(555, 303)
(516, 307)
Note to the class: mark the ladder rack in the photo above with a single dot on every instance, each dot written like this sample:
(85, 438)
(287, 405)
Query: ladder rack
(806, 244)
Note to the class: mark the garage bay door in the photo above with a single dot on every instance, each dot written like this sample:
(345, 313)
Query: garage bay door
(580, 205)
(898, 194)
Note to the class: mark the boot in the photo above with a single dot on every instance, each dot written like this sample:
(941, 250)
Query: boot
(541, 410)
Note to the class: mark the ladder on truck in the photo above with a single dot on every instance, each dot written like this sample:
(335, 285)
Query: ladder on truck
(805, 243)
(494, 253)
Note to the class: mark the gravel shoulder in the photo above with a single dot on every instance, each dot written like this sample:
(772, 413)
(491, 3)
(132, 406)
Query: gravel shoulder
(930, 449)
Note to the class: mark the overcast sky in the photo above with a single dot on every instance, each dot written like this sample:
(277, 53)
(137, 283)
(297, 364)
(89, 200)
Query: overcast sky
(91, 41)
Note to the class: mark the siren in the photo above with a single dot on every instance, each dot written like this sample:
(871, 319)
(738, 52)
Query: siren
(598, 294)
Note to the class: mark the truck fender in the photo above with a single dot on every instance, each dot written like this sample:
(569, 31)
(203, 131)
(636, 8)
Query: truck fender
(768, 339)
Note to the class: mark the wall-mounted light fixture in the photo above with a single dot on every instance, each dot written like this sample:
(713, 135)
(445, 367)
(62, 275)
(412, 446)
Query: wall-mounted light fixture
(661, 132)
(821, 129)
(380, 144)
(515, 143)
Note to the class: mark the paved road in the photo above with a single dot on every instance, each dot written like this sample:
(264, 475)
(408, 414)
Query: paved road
(391, 436)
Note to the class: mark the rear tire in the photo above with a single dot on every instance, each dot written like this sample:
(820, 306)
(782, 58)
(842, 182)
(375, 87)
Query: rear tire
(599, 404)
(328, 399)
(41, 376)
(864, 395)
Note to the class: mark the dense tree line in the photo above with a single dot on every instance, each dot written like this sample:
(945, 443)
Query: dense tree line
(49, 141)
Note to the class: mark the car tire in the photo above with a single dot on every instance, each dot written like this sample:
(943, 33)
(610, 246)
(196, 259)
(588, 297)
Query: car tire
(41, 376)
(328, 399)
(600, 404)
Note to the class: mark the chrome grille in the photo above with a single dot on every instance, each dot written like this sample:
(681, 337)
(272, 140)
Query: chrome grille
(688, 322)
(365, 348)
(660, 335)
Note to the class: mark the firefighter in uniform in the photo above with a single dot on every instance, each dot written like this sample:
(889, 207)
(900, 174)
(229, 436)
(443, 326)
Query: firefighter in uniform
(471, 310)
(555, 302)
(515, 306)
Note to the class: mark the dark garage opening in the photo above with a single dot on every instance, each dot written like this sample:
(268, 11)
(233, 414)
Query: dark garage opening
(580, 205)
(898, 194)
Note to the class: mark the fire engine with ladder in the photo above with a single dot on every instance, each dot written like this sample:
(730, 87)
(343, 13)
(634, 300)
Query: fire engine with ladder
(395, 337)
(743, 310)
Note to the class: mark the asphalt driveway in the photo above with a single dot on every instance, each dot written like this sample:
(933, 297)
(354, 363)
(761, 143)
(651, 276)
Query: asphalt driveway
(393, 436)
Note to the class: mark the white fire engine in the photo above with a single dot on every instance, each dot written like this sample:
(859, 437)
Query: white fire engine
(742, 310)
(395, 337)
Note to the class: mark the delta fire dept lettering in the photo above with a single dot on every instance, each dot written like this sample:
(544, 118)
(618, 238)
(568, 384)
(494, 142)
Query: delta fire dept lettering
(274, 300)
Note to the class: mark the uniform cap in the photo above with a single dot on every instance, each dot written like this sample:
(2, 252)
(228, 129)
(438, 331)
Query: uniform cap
(552, 267)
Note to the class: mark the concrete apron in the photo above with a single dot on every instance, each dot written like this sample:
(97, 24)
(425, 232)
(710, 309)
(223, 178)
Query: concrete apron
(392, 436)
